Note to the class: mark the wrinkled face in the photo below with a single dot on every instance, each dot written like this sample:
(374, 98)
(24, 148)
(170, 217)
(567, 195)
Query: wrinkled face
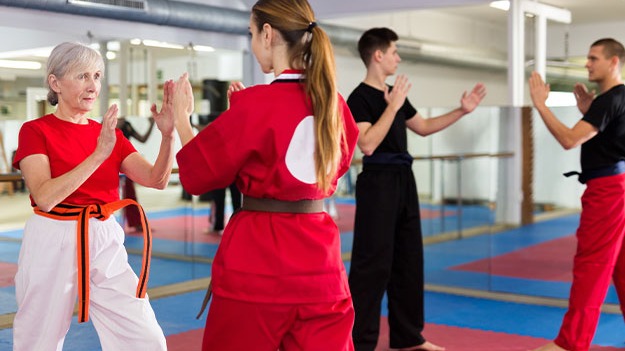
(390, 59)
(598, 66)
(261, 46)
(78, 89)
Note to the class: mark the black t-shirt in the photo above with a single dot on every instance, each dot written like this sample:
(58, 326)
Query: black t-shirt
(607, 114)
(127, 129)
(367, 104)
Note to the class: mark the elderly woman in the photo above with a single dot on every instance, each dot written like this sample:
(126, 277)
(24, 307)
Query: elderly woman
(72, 246)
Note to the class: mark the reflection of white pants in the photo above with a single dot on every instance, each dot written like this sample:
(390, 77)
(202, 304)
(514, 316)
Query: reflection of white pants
(46, 289)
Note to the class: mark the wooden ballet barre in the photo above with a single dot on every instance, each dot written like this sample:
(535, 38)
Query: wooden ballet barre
(10, 177)
(453, 157)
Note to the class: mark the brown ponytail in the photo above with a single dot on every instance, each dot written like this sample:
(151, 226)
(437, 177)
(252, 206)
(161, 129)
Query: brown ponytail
(310, 49)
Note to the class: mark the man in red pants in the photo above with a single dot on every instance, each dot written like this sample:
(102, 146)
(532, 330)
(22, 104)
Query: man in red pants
(601, 133)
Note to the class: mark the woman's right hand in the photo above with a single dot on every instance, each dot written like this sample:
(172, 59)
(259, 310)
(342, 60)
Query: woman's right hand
(107, 138)
(183, 100)
(183, 103)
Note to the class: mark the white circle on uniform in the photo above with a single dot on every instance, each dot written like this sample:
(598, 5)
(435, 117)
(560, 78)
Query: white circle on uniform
(300, 156)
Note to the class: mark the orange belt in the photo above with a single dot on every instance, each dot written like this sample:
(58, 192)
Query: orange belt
(102, 212)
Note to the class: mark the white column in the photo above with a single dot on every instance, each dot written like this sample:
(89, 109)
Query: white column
(104, 91)
(509, 189)
(152, 79)
(540, 50)
(123, 78)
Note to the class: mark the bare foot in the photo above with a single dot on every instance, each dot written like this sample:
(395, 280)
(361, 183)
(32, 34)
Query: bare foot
(426, 346)
(549, 347)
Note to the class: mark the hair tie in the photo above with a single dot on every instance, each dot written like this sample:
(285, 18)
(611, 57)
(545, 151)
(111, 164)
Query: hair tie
(311, 25)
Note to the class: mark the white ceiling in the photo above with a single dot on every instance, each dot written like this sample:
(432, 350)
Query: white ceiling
(583, 11)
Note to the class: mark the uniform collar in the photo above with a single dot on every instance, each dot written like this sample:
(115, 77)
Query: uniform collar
(290, 75)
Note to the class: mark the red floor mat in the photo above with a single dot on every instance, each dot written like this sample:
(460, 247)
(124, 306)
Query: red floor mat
(7, 273)
(551, 261)
(452, 338)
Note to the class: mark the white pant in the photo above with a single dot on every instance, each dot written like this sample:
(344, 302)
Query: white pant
(46, 289)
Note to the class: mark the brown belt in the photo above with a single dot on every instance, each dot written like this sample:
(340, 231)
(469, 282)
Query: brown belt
(273, 205)
(269, 205)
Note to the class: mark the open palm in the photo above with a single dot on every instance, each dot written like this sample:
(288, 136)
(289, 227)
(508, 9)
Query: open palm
(470, 101)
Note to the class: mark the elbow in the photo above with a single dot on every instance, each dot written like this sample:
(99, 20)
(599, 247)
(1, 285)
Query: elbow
(161, 184)
(367, 151)
(568, 144)
(367, 148)
(45, 206)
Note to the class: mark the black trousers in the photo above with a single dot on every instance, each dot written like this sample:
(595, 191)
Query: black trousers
(387, 256)
(219, 196)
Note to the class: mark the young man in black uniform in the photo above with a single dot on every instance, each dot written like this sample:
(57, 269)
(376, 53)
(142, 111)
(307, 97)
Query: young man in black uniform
(387, 253)
(600, 256)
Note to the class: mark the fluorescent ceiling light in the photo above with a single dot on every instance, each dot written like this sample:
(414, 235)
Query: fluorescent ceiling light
(20, 64)
(37, 52)
(110, 55)
(501, 5)
(135, 41)
(114, 45)
(161, 44)
(203, 48)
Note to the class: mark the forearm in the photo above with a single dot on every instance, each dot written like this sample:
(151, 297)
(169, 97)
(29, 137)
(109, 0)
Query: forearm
(372, 137)
(161, 171)
(185, 130)
(436, 124)
(559, 130)
(53, 191)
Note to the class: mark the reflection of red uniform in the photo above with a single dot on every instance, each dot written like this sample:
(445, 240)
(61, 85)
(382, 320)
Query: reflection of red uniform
(600, 251)
(266, 261)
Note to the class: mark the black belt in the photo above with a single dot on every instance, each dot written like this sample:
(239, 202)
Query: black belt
(273, 205)
(587, 175)
(388, 158)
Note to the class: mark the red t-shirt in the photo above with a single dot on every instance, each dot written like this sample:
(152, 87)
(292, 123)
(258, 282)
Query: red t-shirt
(68, 144)
(265, 142)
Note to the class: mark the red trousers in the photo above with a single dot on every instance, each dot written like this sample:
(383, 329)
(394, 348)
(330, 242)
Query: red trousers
(133, 218)
(234, 325)
(599, 257)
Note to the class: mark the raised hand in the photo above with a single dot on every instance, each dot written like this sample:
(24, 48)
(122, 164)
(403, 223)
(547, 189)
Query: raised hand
(583, 96)
(107, 138)
(470, 101)
(183, 100)
(164, 118)
(234, 87)
(396, 97)
(539, 90)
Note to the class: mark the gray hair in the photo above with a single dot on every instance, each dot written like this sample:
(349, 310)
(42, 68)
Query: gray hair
(67, 57)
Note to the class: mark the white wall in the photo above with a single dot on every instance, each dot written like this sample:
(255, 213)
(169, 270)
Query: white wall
(436, 88)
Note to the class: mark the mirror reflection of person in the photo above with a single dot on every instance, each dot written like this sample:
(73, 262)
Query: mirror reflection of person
(132, 217)
(278, 278)
(72, 246)
(600, 254)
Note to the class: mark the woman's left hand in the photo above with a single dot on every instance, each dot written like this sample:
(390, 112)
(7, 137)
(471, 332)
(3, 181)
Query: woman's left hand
(165, 117)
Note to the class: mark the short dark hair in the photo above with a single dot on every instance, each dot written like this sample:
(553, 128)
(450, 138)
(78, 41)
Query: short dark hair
(611, 48)
(375, 39)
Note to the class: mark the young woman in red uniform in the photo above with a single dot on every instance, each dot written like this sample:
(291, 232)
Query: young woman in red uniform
(278, 278)
(72, 246)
